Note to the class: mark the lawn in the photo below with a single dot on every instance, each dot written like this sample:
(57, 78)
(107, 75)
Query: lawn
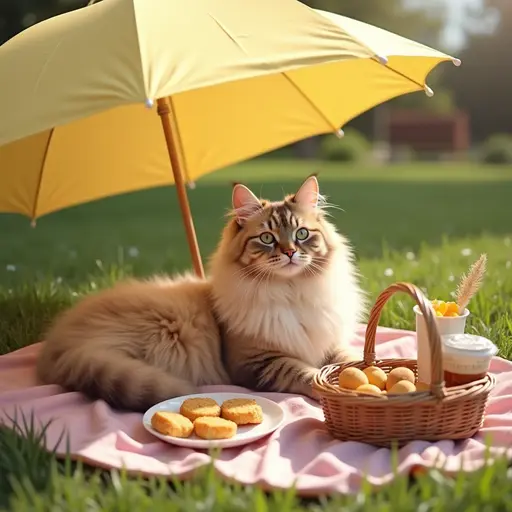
(423, 223)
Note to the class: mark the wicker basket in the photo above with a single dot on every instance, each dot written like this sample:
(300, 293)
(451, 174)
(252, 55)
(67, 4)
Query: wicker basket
(440, 413)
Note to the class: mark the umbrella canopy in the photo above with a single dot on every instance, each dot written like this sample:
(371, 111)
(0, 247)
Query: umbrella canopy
(230, 79)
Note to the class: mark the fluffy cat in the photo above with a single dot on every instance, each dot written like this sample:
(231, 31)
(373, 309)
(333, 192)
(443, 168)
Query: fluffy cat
(285, 291)
(282, 299)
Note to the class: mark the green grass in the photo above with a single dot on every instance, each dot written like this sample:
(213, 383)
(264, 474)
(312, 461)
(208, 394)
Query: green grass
(421, 223)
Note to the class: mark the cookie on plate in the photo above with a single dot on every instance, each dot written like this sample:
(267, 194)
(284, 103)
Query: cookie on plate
(209, 427)
(243, 411)
(172, 424)
(199, 407)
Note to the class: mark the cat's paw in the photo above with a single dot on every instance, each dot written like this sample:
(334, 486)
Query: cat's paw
(305, 385)
(305, 389)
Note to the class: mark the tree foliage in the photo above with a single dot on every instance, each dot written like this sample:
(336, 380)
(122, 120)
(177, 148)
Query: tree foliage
(421, 23)
(483, 84)
(16, 15)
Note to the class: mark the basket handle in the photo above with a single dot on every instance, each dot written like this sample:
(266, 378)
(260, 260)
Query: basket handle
(436, 356)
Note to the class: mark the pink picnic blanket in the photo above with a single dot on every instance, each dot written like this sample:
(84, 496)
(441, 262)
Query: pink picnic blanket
(300, 453)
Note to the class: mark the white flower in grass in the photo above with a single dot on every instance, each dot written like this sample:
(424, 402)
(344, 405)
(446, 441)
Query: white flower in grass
(410, 256)
(74, 294)
(452, 295)
(58, 280)
(466, 251)
(388, 272)
(93, 286)
(508, 264)
(451, 277)
(99, 264)
(11, 268)
(507, 241)
(133, 252)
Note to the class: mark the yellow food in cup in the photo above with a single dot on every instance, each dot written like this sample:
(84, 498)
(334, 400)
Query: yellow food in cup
(443, 308)
(369, 389)
(402, 387)
(376, 376)
(398, 374)
(352, 378)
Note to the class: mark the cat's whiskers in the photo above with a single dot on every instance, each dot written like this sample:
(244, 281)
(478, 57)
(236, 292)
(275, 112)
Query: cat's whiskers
(321, 259)
(315, 268)
(248, 271)
(254, 272)
(260, 278)
(324, 205)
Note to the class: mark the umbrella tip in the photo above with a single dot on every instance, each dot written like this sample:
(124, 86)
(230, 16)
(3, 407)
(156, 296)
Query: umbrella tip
(428, 91)
(339, 133)
(456, 62)
(382, 59)
(149, 103)
(33, 223)
(191, 185)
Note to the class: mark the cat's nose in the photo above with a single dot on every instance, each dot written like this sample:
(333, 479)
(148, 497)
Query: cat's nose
(289, 252)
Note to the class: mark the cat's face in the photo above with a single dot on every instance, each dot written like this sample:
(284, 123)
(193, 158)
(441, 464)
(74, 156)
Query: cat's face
(280, 239)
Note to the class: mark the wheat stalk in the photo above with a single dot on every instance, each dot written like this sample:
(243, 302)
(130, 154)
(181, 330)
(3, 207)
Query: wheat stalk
(470, 283)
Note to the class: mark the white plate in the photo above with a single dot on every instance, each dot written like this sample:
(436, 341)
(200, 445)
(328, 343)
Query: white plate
(273, 416)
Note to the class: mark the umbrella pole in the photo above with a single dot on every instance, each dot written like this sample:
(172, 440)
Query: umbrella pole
(164, 110)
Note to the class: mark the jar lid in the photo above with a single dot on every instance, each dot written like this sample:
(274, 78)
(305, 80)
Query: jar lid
(469, 344)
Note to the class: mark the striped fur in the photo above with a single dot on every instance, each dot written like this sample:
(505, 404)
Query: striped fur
(283, 317)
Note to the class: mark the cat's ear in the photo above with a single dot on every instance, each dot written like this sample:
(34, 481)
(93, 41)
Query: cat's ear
(245, 203)
(308, 194)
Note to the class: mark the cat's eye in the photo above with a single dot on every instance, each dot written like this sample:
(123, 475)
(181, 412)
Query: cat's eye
(267, 238)
(302, 234)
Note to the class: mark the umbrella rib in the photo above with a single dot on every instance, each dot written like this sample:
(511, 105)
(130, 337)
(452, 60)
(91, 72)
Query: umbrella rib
(424, 86)
(40, 179)
(315, 107)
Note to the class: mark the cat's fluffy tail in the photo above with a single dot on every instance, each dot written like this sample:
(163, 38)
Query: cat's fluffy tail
(121, 381)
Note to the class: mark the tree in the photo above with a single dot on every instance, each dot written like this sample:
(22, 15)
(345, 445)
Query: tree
(416, 21)
(483, 84)
(16, 15)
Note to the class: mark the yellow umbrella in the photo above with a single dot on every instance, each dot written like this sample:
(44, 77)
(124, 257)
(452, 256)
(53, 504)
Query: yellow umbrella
(229, 79)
